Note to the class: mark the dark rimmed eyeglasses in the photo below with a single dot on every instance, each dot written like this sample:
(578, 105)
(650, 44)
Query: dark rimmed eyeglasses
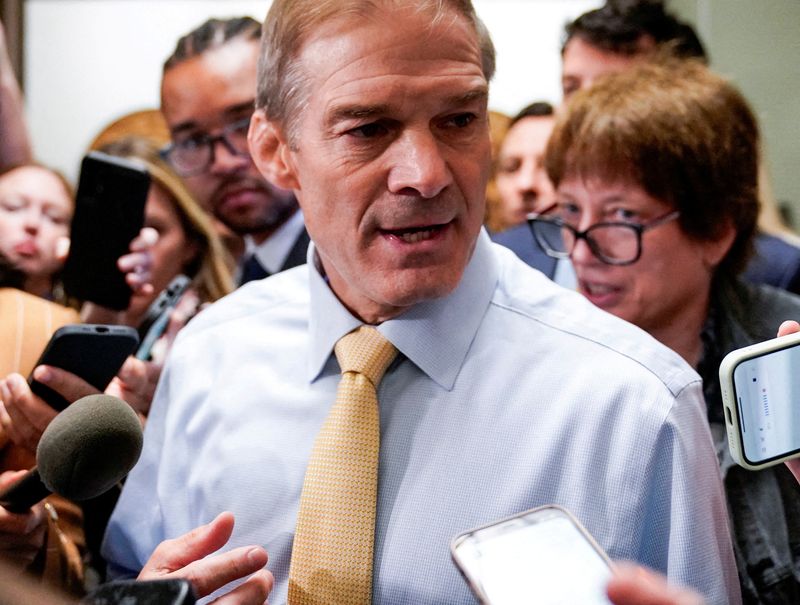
(196, 153)
(614, 243)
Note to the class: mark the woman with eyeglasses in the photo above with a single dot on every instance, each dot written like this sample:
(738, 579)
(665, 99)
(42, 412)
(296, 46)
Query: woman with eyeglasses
(656, 171)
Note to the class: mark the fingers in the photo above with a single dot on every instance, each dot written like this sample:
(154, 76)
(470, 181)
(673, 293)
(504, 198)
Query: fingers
(175, 554)
(253, 592)
(24, 416)
(136, 383)
(788, 327)
(21, 535)
(138, 264)
(634, 585)
(187, 557)
(212, 573)
(70, 386)
(62, 248)
(147, 238)
(794, 466)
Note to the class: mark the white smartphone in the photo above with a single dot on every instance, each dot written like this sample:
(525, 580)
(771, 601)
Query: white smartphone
(761, 394)
(543, 556)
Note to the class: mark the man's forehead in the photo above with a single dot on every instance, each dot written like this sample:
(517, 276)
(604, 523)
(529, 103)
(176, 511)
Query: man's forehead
(211, 85)
(396, 42)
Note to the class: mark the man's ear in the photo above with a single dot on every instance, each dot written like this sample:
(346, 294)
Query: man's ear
(269, 148)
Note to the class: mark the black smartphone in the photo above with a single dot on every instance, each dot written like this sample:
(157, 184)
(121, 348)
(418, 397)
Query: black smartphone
(142, 592)
(109, 213)
(543, 556)
(157, 316)
(94, 352)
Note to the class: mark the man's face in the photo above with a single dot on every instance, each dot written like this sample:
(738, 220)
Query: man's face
(392, 156)
(201, 96)
(582, 64)
(521, 179)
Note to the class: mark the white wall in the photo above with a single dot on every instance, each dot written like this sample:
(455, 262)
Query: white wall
(87, 62)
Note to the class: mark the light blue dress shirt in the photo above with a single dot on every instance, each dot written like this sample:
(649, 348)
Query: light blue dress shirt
(510, 393)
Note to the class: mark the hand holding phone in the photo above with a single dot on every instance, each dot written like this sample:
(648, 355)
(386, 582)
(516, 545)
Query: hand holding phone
(109, 213)
(93, 352)
(541, 556)
(761, 394)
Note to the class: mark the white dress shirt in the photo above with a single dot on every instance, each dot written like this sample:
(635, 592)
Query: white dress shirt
(509, 393)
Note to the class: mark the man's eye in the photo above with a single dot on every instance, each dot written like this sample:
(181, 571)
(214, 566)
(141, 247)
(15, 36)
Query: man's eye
(462, 120)
(192, 142)
(368, 131)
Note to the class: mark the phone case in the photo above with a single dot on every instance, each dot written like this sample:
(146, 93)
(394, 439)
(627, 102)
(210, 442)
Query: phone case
(475, 584)
(156, 317)
(733, 420)
(94, 352)
(109, 213)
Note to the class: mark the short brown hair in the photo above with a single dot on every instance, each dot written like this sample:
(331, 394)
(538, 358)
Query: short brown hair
(682, 133)
(288, 24)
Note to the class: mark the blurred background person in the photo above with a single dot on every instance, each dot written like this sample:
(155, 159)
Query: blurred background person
(207, 98)
(657, 203)
(522, 181)
(524, 187)
(622, 33)
(498, 126)
(36, 206)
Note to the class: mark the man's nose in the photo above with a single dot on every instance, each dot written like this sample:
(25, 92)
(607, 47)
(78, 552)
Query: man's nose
(419, 166)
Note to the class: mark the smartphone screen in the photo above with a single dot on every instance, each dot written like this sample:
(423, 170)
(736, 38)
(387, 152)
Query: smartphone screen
(541, 557)
(767, 391)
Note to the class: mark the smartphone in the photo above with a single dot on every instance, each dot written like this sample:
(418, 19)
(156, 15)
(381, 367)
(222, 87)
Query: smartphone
(156, 318)
(142, 592)
(761, 394)
(109, 213)
(94, 352)
(542, 556)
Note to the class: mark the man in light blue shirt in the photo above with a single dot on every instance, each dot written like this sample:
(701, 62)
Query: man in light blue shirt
(509, 392)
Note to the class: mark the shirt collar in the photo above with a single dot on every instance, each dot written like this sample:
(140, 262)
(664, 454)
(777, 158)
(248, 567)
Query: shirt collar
(273, 251)
(435, 335)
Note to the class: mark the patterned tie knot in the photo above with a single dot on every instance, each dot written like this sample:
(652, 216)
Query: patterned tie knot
(365, 351)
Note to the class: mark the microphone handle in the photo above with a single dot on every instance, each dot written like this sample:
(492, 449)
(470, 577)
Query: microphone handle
(26, 492)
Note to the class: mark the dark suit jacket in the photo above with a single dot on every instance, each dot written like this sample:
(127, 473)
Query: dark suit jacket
(521, 241)
(775, 262)
(297, 255)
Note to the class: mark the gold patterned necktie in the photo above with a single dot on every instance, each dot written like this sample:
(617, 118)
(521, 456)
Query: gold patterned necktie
(335, 533)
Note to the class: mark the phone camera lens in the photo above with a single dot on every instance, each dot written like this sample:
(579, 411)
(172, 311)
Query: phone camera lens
(754, 379)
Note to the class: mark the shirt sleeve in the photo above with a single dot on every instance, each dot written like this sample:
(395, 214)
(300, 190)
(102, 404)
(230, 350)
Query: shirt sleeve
(136, 526)
(686, 512)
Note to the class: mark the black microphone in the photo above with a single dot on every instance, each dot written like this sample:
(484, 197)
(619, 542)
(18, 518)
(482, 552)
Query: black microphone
(83, 453)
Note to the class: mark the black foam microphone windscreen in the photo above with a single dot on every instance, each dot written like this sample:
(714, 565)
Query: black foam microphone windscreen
(89, 447)
(83, 452)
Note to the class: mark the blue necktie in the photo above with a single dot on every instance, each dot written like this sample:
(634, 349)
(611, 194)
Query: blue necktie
(252, 269)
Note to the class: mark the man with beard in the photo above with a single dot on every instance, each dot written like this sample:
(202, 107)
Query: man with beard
(207, 98)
